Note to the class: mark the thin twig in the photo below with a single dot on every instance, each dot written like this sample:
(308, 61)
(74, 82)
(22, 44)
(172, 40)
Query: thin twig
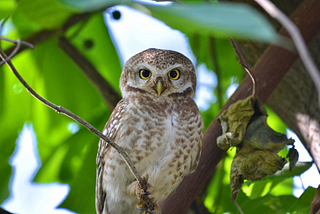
(295, 34)
(238, 207)
(68, 113)
(43, 35)
(243, 63)
(18, 43)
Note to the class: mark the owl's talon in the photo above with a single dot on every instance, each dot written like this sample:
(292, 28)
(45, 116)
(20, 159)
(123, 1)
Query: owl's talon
(145, 200)
(146, 193)
(152, 212)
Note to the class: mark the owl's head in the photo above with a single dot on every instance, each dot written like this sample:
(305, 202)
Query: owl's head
(160, 73)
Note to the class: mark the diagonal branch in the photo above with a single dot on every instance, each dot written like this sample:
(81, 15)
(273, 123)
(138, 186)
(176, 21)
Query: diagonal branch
(18, 43)
(110, 96)
(294, 32)
(269, 71)
(75, 117)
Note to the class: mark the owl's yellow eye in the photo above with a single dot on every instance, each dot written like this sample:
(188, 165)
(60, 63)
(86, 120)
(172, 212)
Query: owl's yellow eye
(174, 74)
(144, 74)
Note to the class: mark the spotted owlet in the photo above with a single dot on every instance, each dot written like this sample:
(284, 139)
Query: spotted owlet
(159, 126)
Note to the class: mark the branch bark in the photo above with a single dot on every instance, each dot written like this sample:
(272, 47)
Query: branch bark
(295, 101)
(297, 39)
(75, 117)
(41, 36)
(269, 70)
(110, 96)
(315, 204)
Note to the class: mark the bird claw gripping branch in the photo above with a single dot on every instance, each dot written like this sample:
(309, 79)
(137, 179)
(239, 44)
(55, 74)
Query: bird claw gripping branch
(146, 203)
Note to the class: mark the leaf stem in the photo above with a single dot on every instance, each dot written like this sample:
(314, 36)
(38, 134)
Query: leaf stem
(243, 63)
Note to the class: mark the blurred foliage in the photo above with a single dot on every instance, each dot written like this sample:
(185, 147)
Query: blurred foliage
(68, 156)
(7, 7)
(239, 20)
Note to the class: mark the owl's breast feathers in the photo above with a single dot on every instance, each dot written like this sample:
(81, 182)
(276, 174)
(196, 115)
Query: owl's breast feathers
(163, 138)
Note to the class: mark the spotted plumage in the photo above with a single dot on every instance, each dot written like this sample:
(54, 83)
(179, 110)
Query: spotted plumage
(159, 126)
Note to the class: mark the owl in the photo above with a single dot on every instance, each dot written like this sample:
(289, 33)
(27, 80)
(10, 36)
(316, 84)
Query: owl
(159, 126)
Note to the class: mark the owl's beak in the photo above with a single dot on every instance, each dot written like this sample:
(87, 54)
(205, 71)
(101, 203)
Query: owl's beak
(159, 85)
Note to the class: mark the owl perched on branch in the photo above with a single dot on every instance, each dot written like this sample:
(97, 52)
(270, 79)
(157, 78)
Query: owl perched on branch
(159, 126)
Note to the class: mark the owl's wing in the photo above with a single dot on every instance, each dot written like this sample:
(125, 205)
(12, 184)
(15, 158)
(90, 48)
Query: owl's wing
(110, 130)
(198, 124)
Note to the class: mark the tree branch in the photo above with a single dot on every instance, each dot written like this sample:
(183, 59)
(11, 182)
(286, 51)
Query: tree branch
(68, 113)
(110, 96)
(269, 70)
(18, 43)
(44, 35)
(294, 32)
(315, 204)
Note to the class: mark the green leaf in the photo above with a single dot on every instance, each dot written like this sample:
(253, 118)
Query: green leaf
(81, 198)
(286, 173)
(5, 171)
(227, 68)
(12, 118)
(268, 204)
(217, 199)
(60, 81)
(275, 122)
(49, 14)
(74, 157)
(23, 27)
(102, 54)
(2, 92)
(7, 7)
(90, 5)
(302, 205)
(268, 183)
(238, 20)
(77, 145)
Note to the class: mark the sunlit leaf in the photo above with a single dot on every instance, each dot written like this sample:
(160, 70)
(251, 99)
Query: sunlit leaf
(286, 173)
(219, 56)
(275, 122)
(268, 204)
(74, 157)
(78, 145)
(102, 54)
(7, 7)
(302, 204)
(90, 5)
(238, 20)
(61, 82)
(12, 118)
(271, 181)
(218, 192)
(2, 92)
(81, 196)
(47, 14)
(69, 156)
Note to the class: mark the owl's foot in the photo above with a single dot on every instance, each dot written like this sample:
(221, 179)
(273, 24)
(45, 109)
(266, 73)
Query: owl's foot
(145, 201)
